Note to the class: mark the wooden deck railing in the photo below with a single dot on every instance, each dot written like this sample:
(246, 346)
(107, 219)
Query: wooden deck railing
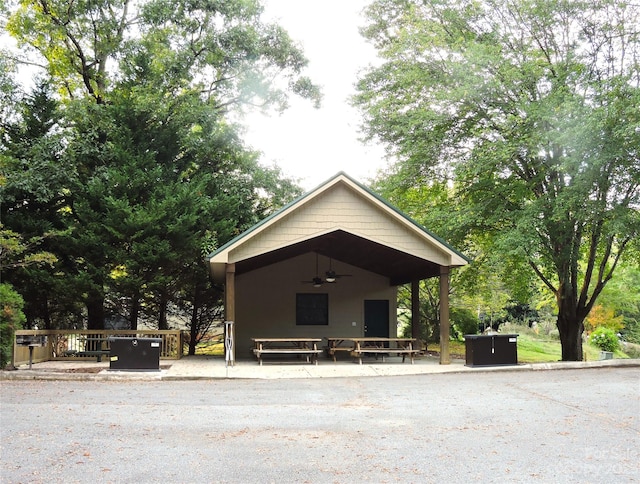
(63, 344)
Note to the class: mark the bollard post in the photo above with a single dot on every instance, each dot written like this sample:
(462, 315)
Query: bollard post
(229, 350)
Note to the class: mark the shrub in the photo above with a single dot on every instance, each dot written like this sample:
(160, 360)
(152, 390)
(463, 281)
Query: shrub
(601, 316)
(11, 318)
(463, 321)
(605, 339)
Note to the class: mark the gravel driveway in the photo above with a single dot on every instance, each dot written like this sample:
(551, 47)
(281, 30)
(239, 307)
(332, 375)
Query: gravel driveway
(545, 426)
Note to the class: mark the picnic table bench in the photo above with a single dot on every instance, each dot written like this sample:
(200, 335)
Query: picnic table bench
(359, 347)
(307, 347)
(97, 347)
(97, 353)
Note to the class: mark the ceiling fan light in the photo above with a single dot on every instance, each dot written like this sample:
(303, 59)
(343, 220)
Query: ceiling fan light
(331, 276)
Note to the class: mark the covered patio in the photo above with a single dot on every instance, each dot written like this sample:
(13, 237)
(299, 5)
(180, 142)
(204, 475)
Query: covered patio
(202, 367)
(328, 265)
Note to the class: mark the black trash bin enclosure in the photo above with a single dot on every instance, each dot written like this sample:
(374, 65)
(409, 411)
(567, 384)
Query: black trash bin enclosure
(491, 349)
(127, 353)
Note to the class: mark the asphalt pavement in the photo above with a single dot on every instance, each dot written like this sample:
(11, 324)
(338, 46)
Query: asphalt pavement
(580, 425)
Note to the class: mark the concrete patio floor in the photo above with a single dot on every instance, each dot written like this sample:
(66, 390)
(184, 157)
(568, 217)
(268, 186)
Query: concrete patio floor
(209, 367)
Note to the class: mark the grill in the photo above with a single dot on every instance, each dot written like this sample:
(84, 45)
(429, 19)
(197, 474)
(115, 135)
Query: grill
(31, 340)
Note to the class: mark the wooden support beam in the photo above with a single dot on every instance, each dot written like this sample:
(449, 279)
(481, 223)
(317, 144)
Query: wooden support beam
(230, 293)
(415, 309)
(445, 357)
(230, 313)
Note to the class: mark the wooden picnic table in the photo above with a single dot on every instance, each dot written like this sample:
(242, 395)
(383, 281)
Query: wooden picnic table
(358, 347)
(97, 346)
(307, 347)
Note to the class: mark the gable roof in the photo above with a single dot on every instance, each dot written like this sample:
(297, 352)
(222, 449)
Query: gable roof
(345, 220)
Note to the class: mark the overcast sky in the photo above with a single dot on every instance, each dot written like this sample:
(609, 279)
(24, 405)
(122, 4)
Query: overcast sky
(314, 144)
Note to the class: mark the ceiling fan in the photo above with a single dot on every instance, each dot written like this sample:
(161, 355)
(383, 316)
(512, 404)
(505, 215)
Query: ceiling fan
(316, 281)
(330, 278)
(331, 274)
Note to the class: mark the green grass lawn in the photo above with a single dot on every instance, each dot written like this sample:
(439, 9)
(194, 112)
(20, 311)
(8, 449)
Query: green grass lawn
(532, 348)
(456, 348)
(212, 345)
(538, 350)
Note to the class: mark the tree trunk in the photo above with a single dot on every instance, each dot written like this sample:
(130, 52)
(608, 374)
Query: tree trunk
(571, 340)
(135, 310)
(162, 316)
(193, 330)
(570, 327)
(95, 310)
(46, 314)
(193, 333)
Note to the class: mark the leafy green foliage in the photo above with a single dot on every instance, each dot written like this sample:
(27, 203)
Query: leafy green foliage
(463, 321)
(622, 297)
(521, 313)
(220, 50)
(11, 318)
(603, 317)
(528, 112)
(126, 152)
(605, 339)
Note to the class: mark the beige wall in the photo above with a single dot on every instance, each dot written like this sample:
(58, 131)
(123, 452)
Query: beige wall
(341, 207)
(266, 301)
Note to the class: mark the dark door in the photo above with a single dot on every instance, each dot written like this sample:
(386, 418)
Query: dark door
(376, 318)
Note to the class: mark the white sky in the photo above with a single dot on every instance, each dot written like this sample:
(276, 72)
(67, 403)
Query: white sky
(311, 144)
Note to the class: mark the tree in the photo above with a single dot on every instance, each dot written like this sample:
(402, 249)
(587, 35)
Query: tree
(621, 299)
(33, 194)
(429, 310)
(14, 252)
(529, 110)
(483, 287)
(220, 49)
(154, 165)
(602, 317)
(11, 319)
